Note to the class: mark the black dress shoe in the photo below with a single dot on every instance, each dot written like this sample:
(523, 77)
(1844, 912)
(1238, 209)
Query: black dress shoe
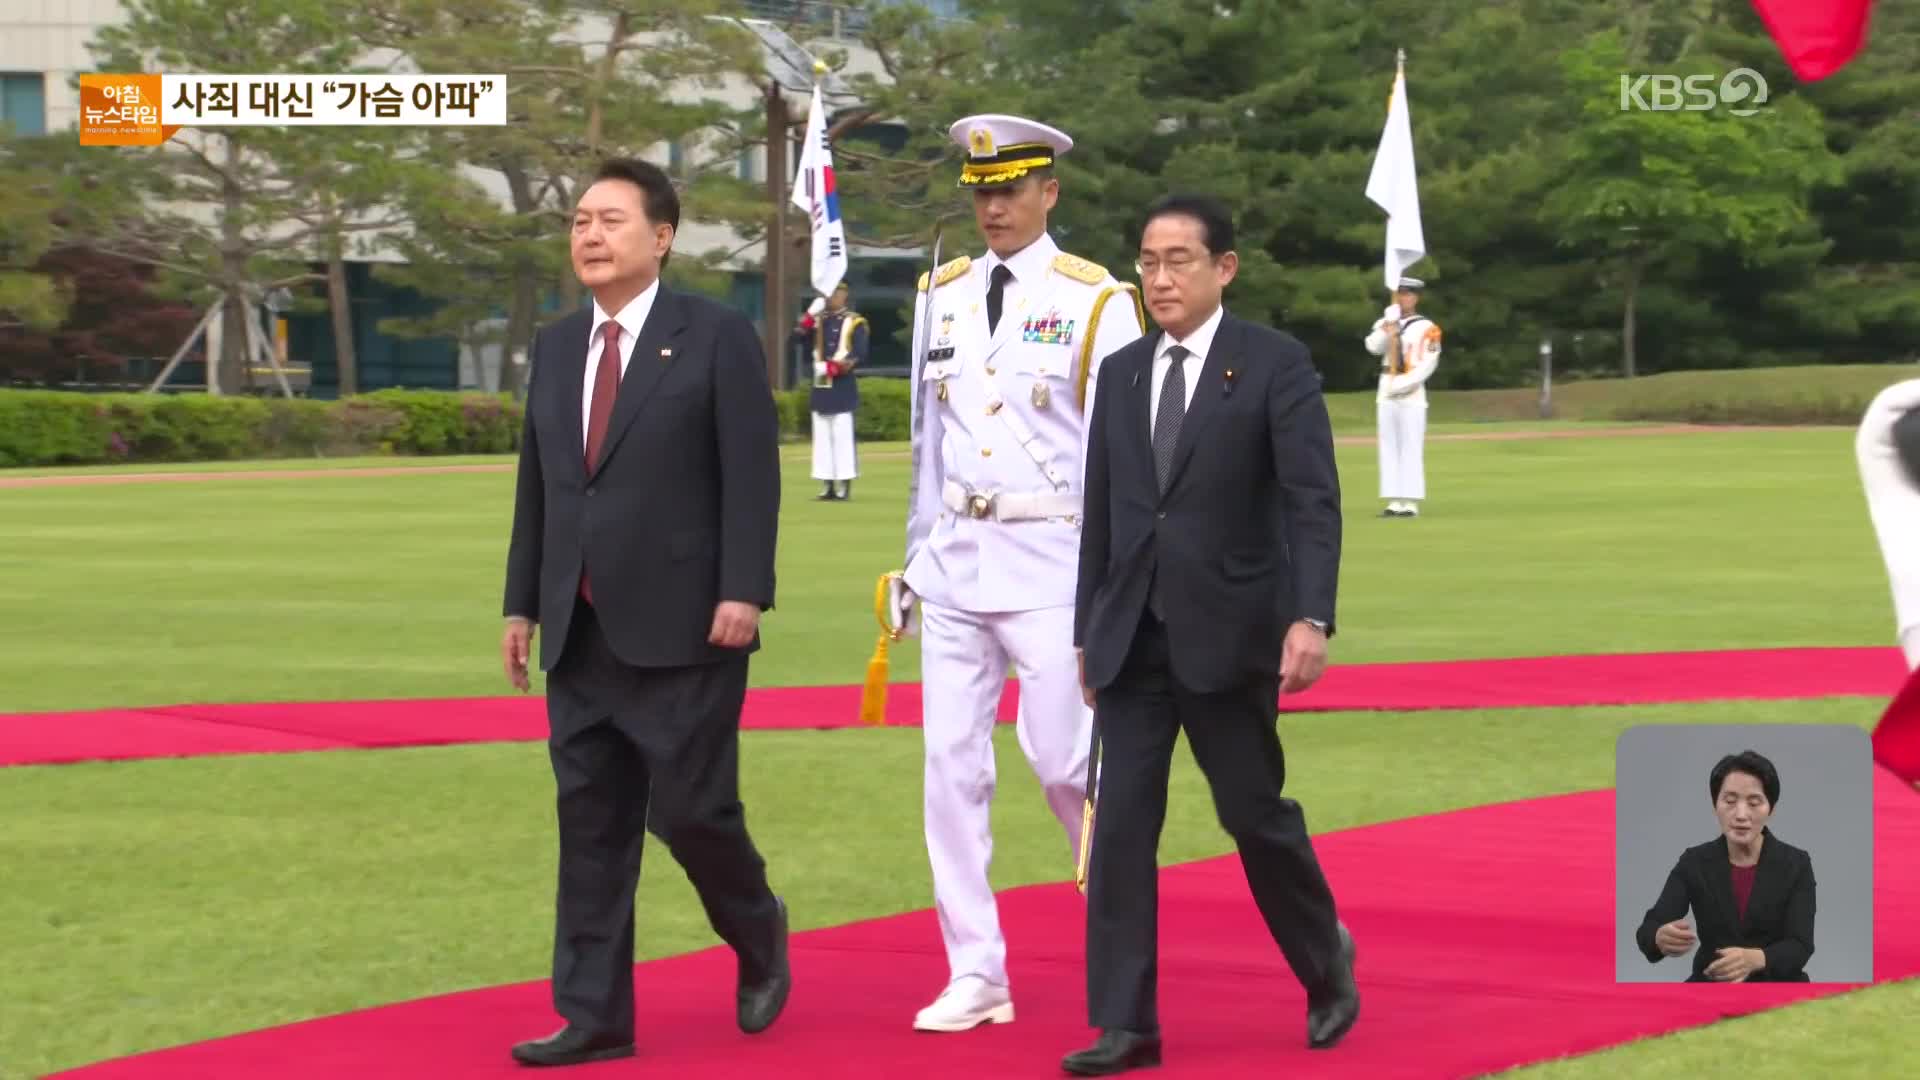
(761, 1000)
(1332, 1009)
(573, 1046)
(1116, 1052)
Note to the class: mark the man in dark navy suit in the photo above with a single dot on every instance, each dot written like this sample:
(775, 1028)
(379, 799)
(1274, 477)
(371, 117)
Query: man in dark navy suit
(1209, 560)
(643, 543)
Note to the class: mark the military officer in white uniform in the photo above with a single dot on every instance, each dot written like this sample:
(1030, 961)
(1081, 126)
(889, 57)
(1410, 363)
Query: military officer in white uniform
(993, 536)
(1408, 344)
(1887, 448)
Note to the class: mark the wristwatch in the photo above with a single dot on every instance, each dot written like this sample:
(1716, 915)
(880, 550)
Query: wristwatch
(1319, 625)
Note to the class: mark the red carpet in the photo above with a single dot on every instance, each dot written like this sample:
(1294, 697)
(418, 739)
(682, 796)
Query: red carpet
(1624, 679)
(1509, 961)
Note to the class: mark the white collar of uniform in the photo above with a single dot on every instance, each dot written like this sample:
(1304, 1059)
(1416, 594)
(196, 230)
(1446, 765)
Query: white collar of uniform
(631, 318)
(1029, 264)
(1199, 341)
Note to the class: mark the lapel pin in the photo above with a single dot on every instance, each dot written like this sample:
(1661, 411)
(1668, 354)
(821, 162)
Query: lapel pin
(666, 354)
(1229, 388)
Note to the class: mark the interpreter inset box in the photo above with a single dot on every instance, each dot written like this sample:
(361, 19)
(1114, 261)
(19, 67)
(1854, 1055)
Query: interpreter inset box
(1743, 853)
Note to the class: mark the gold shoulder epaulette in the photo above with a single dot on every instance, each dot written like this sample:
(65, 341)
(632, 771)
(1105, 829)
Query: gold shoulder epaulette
(1079, 269)
(947, 272)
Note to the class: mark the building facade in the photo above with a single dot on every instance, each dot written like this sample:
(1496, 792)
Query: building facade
(45, 45)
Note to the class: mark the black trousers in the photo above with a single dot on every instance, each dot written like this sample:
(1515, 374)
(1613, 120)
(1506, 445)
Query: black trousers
(637, 750)
(1236, 745)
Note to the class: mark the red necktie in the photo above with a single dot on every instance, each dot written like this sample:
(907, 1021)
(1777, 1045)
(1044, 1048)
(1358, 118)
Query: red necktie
(606, 387)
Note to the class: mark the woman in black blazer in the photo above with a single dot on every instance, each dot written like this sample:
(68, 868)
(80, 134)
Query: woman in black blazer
(1751, 893)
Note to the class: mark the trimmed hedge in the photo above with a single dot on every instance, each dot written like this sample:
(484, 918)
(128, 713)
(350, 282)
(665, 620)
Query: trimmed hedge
(54, 427)
(51, 427)
(1835, 394)
(882, 416)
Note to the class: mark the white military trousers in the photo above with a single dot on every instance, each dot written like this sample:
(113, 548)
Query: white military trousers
(833, 447)
(963, 660)
(1403, 437)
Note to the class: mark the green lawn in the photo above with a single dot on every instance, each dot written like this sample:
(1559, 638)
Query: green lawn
(1824, 394)
(151, 903)
(358, 587)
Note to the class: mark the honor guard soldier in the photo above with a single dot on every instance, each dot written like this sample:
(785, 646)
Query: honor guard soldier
(993, 535)
(1408, 344)
(1887, 448)
(838, 337)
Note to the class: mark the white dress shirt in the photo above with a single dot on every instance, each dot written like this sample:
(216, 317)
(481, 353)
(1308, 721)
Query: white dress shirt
(1196, 345)
(631, 319)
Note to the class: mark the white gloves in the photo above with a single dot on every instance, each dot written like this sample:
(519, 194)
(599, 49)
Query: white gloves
(819, 305)
(1391, 313)
(1893, 501)
(900, 603)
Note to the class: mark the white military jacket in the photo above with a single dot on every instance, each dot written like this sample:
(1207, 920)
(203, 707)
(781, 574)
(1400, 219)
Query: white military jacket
(1419, 356)
(995, 523)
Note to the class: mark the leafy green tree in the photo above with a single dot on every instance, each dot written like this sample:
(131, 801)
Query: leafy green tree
(586, 79)
(217, 214)
(29, 298)
(1654, 189)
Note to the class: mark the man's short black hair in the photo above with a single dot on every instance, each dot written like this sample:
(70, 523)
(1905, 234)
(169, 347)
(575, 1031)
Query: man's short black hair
(1216, 221)
(657, 192)
(1754, 765)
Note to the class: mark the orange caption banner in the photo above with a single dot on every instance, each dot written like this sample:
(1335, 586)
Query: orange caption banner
(122, 110)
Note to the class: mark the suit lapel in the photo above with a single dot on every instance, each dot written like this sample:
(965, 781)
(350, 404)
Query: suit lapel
(653, 354)
(1207, 395)
(568, 353)
(1766, 876)
(1140, 405)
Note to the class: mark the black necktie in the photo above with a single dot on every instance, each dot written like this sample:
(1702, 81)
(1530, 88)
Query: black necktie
(1170, 412)
(996, 292)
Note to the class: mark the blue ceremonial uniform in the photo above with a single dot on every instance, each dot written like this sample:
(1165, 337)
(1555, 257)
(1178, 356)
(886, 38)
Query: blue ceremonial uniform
(838, 343)
(842, 392)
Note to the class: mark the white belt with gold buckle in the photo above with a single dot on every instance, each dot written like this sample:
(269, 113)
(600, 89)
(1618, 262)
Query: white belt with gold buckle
(1008, 506)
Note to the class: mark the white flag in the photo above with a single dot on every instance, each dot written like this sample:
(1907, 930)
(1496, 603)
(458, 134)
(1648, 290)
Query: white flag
(1393, 188)
(813, 192)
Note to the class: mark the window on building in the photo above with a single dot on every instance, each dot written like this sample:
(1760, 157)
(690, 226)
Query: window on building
(23, 102)
(749, 165)
(677, 159)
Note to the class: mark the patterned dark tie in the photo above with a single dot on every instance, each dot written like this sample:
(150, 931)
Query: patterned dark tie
(996, 295)
(1168, 415)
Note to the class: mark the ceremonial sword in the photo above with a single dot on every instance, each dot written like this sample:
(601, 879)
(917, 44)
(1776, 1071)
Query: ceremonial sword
(916, 407)
(1088, 811)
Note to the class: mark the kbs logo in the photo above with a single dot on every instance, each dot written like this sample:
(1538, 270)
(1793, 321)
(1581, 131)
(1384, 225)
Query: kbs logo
(1741, 92)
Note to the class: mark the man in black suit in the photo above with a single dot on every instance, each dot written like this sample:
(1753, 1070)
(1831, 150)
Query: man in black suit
(1208, 565)
(643, 541)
